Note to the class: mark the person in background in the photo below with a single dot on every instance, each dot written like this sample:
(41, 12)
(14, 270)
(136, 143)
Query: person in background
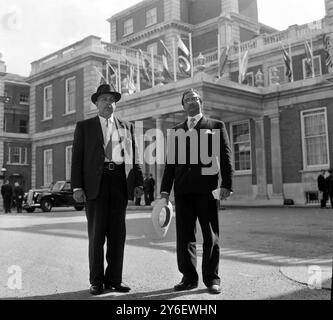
(7, 196)
(322, 189)
(18, 194)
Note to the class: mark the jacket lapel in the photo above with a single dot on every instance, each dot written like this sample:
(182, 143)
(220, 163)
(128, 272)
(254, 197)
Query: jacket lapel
(99, 130)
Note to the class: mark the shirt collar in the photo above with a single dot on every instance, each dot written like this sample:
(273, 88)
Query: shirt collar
(196, 117)
(102, 120)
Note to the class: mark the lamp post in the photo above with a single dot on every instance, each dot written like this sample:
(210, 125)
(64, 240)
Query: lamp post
(201, 62)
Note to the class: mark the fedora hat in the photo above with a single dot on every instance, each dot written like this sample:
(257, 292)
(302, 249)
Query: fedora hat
(105, 88)
(161, 216)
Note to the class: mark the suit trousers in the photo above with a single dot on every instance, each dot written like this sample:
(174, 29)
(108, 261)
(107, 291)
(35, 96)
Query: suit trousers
(106, 221)
(189, 209)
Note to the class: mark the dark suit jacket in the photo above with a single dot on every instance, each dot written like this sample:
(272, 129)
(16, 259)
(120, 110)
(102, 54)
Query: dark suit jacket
(188, 177)
(321, 183)
(329, 183)
(88, 155)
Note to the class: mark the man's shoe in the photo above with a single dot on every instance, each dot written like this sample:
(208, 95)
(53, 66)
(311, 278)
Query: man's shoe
(214, 289)
(96, 289)
(120, 287)
(182, 286)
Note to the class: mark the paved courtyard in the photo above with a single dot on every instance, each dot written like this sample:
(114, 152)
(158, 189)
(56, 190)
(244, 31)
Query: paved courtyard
(266, 253)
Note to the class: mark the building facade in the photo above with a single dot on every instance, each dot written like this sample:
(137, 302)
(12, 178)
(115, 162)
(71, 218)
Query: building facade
(280, 130)
(15, 141)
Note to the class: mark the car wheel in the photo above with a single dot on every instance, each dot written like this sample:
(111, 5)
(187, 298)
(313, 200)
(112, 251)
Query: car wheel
(30, 210)
(79, 208)
(46, 205)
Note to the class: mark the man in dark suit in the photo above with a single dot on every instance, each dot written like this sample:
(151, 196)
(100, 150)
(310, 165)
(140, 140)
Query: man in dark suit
(321, 182)
(18, 194)
(7, 196)
(194, 179)
(104, 151)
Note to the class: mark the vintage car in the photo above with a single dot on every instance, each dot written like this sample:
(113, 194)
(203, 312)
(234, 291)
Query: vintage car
(59, 195)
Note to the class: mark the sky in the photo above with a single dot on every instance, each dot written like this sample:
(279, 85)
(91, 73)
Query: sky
(32, 29)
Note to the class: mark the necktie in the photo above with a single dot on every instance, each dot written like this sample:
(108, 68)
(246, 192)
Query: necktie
(192, 123)
(108, 140)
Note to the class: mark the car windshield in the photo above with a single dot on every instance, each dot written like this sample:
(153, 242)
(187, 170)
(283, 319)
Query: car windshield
(58, 186)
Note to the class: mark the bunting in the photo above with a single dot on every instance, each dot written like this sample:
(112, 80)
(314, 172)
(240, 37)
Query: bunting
(165, 55)
(308, 60)
(184, 58)
(223, 59)
(327, 46)
(287, 61)
(145, 66)
(243, 62)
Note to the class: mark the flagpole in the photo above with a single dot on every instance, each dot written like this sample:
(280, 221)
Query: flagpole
(174, 60)
(138, 88)
(107, 72)
(119, 72)
(218, 55)
(152, 68)
(191, 53)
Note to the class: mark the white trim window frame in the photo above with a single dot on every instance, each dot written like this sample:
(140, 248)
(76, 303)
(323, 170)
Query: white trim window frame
(47, 106)
(283, 74)
(246, 145)
(68, 161)
(70, 90)
(20, 153)
(315, 155)
(128, 27)
(151, 17)
(152, 46)
(24, 98)
(317, 72)
(47, 167)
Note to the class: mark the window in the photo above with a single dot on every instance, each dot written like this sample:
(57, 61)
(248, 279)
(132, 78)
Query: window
(128, 27)
(241, 143)
(249, 79)
(23, 126)
(17, 155)
(277, 75)
(70, 95)
(152, 47)
(315, 138)
(317, 68)
(24, 98)
(68, 155)
(48, 167)
(151, 17)
(47, 110)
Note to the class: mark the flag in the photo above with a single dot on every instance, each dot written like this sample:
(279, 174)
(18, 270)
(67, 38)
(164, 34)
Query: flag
(184, 58)
(328, 58)
(129, 80)
(287, 61)
(223, 59)
(100, 78)
(243, 62)
(308, 60)
(145, 66)
(111, 74)
(166, 54)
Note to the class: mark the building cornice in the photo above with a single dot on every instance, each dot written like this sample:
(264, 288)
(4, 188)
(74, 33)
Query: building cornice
(145, 34)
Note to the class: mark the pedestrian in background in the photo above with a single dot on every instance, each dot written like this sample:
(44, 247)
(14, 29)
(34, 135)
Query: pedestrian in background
(151, 188)
(146, 189)
(329, 183)
(18, 194)
(322, 189)
(7, 196)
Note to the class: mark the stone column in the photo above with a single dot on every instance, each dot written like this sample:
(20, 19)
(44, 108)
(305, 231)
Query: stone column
(276, 157)
(260, 160)
(171, 10)
(225, 30)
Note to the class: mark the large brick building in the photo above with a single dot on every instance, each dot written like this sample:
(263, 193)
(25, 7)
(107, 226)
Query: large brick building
(280, 131)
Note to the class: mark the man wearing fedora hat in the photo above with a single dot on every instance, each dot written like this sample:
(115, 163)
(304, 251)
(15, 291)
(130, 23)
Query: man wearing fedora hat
(104, 150)
(194, 183)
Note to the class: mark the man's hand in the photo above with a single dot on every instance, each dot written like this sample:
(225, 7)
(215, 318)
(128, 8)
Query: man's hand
(79, 196)
(224, 194)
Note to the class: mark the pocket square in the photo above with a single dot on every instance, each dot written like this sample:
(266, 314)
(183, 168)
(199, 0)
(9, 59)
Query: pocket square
(209, 132)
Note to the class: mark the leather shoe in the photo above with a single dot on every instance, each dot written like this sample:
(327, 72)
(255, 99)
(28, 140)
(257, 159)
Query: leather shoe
(96, 289)
(182, 286)
(214, 289)
(119, 287)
